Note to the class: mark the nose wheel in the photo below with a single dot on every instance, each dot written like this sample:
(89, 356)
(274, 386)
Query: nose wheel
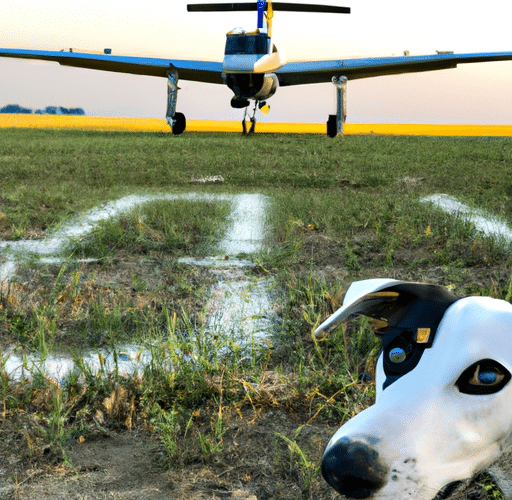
(252, 120)
(265, 108)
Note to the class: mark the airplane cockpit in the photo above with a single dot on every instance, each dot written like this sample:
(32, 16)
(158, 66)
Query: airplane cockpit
(241, 42)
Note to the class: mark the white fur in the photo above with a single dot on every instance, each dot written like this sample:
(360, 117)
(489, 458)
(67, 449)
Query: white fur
(426, 431)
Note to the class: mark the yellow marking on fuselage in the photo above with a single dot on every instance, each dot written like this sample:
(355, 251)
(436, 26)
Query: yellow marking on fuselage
(270, 15)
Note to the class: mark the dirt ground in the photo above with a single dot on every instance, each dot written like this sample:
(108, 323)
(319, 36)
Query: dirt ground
(255, 462)
(126, 465)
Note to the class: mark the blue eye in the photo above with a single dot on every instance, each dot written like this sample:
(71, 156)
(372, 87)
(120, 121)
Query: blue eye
(488, 377)
(483, 377)
(397, 355)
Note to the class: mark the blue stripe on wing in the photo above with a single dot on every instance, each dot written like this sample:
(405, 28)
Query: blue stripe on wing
(297, 73)
(199, 71)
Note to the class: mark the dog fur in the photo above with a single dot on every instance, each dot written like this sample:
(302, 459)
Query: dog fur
(448, 417)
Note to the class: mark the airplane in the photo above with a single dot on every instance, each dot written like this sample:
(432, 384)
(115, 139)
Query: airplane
(254, 69)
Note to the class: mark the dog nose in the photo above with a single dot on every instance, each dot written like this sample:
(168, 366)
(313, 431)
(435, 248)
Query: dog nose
(353, 468)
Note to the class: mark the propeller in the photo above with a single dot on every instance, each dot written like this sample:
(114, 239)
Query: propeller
(284, 6)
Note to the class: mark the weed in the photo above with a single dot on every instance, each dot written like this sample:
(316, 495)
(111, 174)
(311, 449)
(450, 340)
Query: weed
(308, 470)
(339, 211)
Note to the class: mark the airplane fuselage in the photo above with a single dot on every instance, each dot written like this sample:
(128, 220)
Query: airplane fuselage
(254, 69)
(250, 60)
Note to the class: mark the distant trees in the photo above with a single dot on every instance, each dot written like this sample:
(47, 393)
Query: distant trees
(15, 109)
(49, 110)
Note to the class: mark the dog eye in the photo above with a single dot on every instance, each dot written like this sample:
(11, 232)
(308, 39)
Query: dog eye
(397, 355)
(484, 377)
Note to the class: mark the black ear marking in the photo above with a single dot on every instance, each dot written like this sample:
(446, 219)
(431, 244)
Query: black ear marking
(405, 316)
(412, 319)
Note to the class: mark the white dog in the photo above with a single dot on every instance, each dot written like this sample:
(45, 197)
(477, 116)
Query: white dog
(444, 396)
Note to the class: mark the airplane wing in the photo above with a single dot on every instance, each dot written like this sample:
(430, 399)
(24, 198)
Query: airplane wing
(198, 71)
(298, 73)
(293, 73)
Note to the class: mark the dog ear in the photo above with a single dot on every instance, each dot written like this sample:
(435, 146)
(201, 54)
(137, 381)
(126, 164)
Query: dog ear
(417, 306)
(406, 315)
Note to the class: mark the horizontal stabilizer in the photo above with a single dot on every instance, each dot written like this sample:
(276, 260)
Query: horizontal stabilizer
(290, 7)
(304, 7)
(221, 7)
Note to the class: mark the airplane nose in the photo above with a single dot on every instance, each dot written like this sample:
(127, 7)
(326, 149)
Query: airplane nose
(353, 468)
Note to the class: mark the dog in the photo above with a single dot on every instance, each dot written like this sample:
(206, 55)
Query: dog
(443, 410)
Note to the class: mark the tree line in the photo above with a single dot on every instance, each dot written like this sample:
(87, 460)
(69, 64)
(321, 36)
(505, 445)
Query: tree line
(49, 110)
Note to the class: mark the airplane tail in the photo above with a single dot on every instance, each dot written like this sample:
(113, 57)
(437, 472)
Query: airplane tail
(286, 6)
(266, 6)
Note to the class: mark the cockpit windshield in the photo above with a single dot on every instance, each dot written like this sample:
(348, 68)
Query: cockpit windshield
(246, 43)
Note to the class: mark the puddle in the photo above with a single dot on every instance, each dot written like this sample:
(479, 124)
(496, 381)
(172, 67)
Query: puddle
(241, 307)
(485, 223)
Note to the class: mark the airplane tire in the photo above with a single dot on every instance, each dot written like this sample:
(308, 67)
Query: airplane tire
(332, 129)
(180, 124)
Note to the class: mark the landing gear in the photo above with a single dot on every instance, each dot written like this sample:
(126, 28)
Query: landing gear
(336, 123)
(176, 121)
(251, 118)
(265, 108)
(180, 124)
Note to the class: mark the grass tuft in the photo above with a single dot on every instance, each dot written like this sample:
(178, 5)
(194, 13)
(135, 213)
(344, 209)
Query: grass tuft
(339, 211)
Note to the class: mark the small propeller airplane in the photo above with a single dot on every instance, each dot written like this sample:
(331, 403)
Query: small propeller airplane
(253, 68)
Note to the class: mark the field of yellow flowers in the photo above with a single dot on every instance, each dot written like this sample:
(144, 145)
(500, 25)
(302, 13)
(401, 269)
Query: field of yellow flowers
(160, 125)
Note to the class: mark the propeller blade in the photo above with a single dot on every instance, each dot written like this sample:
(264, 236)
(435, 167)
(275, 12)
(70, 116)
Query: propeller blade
(221, 7)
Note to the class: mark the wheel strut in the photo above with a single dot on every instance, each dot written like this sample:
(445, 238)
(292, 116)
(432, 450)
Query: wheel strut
(252, 120)
(176, 121)
(336, 123)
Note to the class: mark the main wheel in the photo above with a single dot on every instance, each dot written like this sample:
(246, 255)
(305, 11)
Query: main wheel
(180, 124)
(332, 129)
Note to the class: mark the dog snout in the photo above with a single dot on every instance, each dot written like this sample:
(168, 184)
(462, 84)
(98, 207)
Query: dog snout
(352, 467)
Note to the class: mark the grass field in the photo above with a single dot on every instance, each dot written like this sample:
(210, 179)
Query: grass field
(250, 426)
(160, 125)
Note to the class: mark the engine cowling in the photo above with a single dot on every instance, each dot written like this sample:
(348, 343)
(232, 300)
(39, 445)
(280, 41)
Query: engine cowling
(253, 86)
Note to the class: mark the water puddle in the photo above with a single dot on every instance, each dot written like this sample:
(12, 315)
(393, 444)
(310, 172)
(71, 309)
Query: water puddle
(485, 223)
(241, 306)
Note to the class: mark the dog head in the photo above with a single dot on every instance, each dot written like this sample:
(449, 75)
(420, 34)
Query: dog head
(444, 397)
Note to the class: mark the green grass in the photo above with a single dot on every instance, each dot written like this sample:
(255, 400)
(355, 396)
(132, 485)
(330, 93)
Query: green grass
(42, 169)
(179, 228)
(339, 211)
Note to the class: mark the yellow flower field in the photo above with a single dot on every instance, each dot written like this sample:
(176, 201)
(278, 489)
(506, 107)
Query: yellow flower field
(160, 125)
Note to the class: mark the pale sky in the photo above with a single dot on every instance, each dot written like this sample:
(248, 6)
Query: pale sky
(472, 93)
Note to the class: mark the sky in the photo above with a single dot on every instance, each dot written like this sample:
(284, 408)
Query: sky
(472, 93)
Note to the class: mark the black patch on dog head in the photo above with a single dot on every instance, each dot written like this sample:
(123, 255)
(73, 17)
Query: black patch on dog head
(411, 316)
